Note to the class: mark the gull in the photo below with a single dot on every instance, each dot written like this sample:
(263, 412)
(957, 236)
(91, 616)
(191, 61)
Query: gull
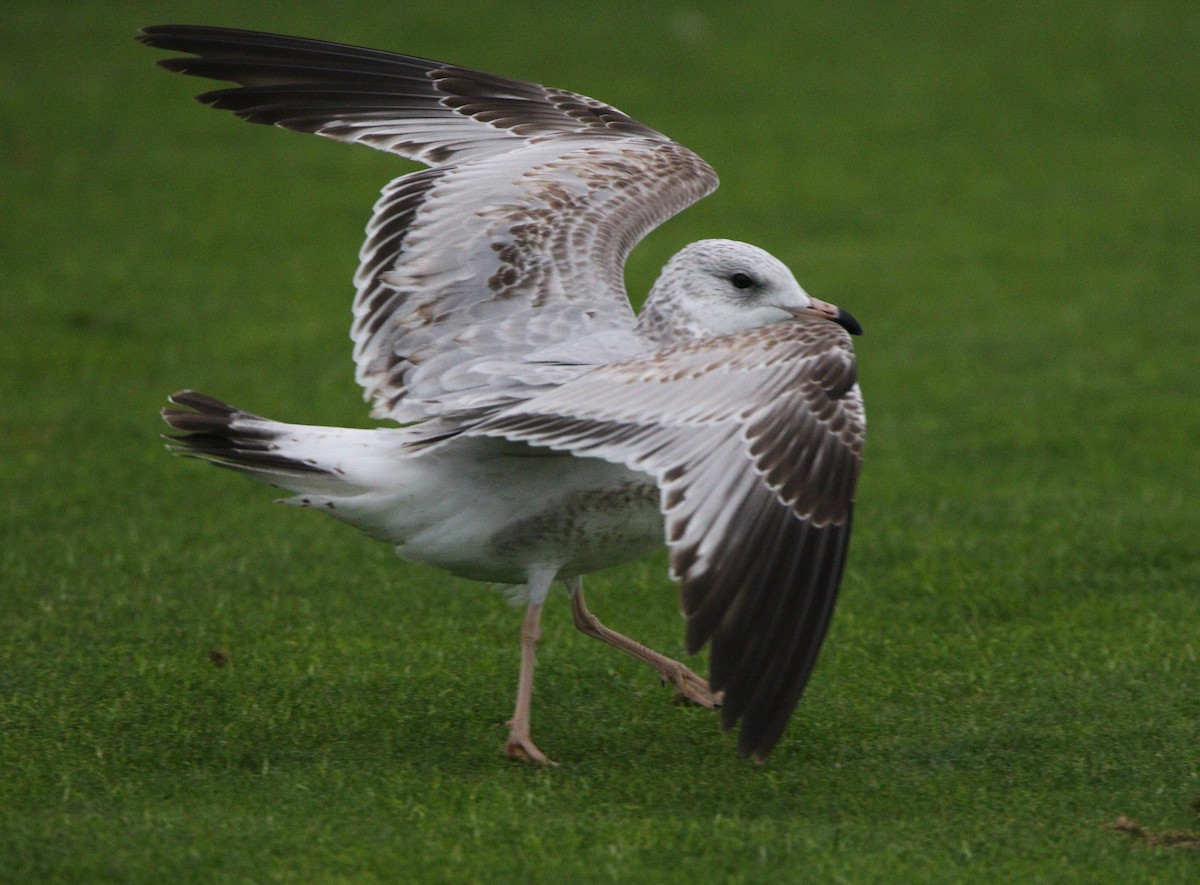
(544, 429)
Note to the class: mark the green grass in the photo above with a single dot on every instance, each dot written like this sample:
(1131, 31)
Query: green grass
(1007, 196)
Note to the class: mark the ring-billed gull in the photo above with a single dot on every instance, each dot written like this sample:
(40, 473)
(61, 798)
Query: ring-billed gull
(547, 430)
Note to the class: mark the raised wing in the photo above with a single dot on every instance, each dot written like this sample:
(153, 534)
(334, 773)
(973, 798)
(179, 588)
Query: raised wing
(513, 242)
(755, 440)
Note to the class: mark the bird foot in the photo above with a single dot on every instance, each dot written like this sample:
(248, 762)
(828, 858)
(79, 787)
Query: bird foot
(521, 748)
(692, 689)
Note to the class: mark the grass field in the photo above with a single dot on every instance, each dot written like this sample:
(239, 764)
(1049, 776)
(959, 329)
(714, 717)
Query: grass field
(1006, 195)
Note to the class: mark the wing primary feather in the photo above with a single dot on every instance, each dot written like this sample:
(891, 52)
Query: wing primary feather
(752, 638)
(781, 669)
(762, 727)
(755, 571)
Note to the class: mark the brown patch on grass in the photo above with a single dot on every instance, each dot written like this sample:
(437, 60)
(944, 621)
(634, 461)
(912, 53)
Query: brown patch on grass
(219, 657)
(1188, 839)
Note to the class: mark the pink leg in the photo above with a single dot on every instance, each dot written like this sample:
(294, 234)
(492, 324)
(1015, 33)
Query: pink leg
(520, 745)
(691, 687)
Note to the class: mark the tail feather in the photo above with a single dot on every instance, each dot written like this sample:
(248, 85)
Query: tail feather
(218, 432)
(371, 479)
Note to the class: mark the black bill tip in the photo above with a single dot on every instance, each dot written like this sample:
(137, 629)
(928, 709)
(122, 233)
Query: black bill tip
(847, 322)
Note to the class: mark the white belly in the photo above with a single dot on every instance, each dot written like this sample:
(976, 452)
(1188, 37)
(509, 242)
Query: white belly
(492, 510)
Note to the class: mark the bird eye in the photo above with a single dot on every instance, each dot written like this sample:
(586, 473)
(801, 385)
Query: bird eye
(741, 280)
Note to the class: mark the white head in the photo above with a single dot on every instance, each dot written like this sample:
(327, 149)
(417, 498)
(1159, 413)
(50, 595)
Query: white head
(717, 287)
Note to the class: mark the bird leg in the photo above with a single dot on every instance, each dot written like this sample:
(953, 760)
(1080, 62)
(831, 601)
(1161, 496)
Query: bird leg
(520, 745)
(691, 687)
